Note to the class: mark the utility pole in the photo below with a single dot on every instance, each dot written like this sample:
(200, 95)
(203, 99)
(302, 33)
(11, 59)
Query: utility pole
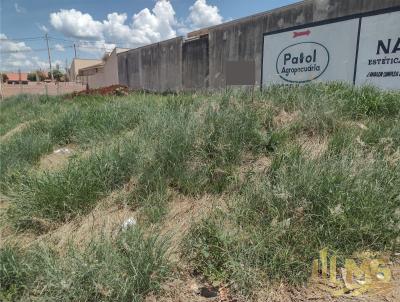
(75, 50)
(20, 81)
(48, 52)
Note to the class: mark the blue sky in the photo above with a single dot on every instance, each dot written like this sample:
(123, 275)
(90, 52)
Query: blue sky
(97, 25)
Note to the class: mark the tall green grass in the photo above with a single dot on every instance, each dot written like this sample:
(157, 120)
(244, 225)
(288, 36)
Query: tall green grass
(159, 153)
(345, 199)
(86, 122)
(124, 269)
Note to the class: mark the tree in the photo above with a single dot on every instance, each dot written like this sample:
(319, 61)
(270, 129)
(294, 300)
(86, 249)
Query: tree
(32, 76)
(57, 75)
(4, 77)
(41, 75)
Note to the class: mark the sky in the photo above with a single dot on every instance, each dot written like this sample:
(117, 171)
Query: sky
(97, 26)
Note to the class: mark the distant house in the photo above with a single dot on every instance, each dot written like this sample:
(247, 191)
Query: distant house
(93, 76)
(17, 77)
(76, 65)
(103, 74)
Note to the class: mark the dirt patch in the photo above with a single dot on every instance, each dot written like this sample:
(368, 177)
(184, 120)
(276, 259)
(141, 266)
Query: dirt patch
(106, 220)
(183, 212)
(284, 118)
(313, 146)
(14, 131)
(117, 90)
(252, 165)
(57, 159)
(186, 288)
(357, 125)
(9, 235)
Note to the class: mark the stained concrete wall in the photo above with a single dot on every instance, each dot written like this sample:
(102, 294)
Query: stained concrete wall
(176, 65)
(195, 68)
(111, 68)
(241, 40)
(123, 68)
(97, 80)
(156, 67)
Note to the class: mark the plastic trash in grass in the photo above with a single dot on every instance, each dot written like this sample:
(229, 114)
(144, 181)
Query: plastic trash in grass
(63, 151)
(128, 223)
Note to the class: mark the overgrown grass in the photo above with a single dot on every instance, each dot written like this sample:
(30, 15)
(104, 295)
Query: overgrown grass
(345, 198)
(125, 269)
(87, 121)
(159, 152)
(280, 221)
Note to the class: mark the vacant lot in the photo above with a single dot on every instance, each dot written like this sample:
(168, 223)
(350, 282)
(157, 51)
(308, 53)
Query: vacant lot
(180, 197)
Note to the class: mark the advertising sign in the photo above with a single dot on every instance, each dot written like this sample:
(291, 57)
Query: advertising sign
(361, 49)
(379, 51)
(319, 53)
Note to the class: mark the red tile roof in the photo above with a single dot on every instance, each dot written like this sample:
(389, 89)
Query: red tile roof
(15, 76)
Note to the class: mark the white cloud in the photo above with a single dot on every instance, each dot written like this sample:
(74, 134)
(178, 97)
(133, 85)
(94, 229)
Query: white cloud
(19, 9)
(59, 47)
(76, 24)
(145, 27)
(95, 47)
(42, 27)
(203, 15)
(11, 46)
(17, 55)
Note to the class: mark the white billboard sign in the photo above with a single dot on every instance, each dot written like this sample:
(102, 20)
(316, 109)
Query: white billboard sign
(379, 51)
(318, 53)
(360, 50)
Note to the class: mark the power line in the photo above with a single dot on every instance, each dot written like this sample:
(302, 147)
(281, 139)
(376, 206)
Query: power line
(21, 39)
(58, 39)
(83, 40)
(53, 48)
(33, 50)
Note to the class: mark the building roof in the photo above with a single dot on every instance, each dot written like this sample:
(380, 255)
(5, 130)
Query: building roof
(90, 70)
(119, 49)
(16, 76)
(100, 65)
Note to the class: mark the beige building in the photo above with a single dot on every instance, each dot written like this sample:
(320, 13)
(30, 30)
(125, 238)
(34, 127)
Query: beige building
(103, 74)
(78, 64)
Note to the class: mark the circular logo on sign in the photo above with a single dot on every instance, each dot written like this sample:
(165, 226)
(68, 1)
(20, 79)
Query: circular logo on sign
(302, 62)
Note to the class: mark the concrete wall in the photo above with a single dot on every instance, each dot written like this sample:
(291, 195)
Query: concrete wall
(97, 80)
(176, 65)
(105, 75)
(156, 67)
(242, 39)
(195, 68)
(111, 70)
(134, 67)
(122, 68)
